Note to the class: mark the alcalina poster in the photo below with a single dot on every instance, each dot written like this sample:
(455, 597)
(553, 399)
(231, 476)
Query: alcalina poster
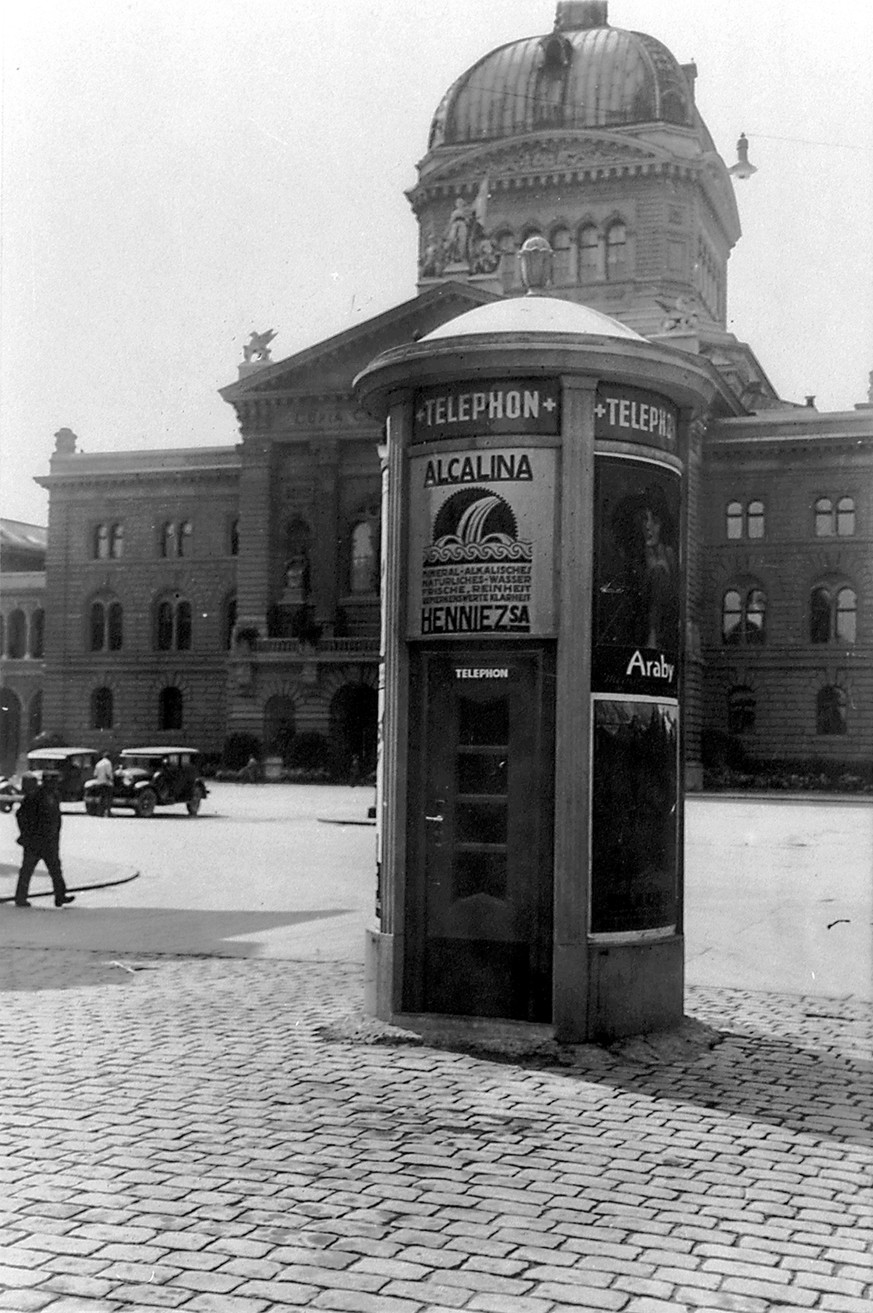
(482, 543)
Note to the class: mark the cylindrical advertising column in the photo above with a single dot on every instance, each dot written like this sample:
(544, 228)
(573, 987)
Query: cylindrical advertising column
(634, 914)
(531, 786)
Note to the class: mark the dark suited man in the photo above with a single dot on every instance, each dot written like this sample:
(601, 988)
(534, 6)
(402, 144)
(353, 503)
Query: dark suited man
(39, 825)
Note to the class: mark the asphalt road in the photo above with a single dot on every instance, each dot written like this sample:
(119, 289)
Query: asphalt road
(779, 894)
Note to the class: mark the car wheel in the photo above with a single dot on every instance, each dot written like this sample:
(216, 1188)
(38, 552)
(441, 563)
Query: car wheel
(146, 803)
(195, 800)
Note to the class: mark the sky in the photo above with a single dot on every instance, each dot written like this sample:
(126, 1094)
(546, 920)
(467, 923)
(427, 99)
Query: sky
(179, 173)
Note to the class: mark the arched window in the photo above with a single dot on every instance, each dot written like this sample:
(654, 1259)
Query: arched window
(116, 541)
(34, 715)
(845, 616)
(278, 734)
(734, 519)
(363, 572)
(17, 635)
(164, 627)
(755, 519)
(106, 627)
(833, 615)
(173, 625)
(183, 627)
(845, 517)
(830, 710)
(589, 253)
(731, 616)
(170, 704)
(169, 538)
(101, 542)
(824, 518)
(102, 708)
(745, 521)
(819, 615)
(114, 627)
(184, 538)
(756, 615)
(741, 709)
(562, 265)
(616, 251)
(228, 621)
(97, 626)
(37, 634)
(743, 616)
(234, 538)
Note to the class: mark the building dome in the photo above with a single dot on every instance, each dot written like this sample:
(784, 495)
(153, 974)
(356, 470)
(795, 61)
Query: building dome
(585, 74)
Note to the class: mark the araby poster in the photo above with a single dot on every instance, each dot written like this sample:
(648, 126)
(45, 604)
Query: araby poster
(481, 542)
(637, 578)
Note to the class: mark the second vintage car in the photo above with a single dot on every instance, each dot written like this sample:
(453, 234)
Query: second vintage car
(147, 778)
(72, 766)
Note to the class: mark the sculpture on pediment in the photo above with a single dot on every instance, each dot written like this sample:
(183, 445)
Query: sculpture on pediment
(257, 350)
(465, 242)
(458, 232)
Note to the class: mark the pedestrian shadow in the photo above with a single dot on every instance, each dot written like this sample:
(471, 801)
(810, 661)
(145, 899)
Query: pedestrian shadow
(139, 932)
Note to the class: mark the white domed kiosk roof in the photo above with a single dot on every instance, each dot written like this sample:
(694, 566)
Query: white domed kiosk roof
(532, 314)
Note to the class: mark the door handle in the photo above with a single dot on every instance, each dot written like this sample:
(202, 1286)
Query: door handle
(439, 818)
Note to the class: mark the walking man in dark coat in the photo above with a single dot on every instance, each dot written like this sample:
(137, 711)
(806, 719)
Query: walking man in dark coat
(39, 824)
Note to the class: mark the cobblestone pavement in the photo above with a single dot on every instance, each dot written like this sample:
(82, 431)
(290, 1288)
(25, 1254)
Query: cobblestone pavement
(224, 1136)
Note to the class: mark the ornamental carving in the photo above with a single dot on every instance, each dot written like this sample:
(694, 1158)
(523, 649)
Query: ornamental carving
(557, 155)
(312, 415)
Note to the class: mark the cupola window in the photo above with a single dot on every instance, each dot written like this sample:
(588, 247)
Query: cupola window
(616, 251)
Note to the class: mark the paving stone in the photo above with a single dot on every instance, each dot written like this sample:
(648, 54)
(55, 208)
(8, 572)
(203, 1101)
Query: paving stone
(217, 1155)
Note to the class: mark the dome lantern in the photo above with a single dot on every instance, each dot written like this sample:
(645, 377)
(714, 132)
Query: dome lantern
(580, 15)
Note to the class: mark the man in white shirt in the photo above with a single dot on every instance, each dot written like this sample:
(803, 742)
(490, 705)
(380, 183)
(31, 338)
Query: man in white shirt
(104, 775)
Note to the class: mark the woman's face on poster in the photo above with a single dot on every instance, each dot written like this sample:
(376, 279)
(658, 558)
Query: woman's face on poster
(651, 527)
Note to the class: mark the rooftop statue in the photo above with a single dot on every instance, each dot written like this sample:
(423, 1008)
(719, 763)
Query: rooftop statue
(257, 349)
(464, 242)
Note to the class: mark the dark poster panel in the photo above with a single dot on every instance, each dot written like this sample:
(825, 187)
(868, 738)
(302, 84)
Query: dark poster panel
(634, 782)
(635, 626)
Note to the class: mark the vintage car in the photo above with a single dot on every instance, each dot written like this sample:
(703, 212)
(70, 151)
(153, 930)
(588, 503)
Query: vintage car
(147, 778)
(72, 766)
(10, 793)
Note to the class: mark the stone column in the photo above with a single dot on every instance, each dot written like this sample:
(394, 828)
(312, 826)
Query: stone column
(323, 565)
(255, 517)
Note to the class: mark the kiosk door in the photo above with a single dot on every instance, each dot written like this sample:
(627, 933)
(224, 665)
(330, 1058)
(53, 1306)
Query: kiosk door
(479, 932)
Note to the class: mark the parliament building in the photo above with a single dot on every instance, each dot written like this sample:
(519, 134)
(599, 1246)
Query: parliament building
(198, 593)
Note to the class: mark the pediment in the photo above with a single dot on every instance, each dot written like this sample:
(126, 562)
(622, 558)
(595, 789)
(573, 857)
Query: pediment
(329, 366)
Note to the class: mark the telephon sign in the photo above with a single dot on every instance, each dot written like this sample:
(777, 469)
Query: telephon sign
(464, 410)
(634, 415)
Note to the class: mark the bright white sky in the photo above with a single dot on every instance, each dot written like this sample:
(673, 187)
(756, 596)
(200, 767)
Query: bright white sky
(177, 173)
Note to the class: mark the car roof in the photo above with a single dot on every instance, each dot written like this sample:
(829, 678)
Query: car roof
(155, 752)
(50, 754)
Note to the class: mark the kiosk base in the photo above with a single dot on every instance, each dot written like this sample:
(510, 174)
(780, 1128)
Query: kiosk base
(634, 989)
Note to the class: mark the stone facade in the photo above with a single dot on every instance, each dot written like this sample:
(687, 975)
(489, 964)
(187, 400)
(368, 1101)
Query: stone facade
(206, 592)
(200, 593)
(787, 619)
(22, 636)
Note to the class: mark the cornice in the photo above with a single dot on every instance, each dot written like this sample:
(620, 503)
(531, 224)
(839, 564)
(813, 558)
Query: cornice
(543, 160)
